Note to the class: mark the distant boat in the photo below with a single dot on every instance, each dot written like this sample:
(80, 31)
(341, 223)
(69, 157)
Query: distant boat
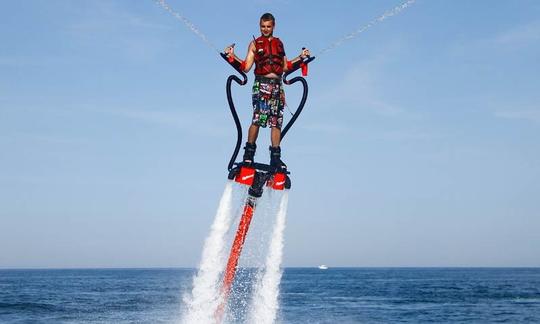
(323, 267)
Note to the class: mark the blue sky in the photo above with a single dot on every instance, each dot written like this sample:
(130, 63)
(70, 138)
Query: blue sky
(419, 145)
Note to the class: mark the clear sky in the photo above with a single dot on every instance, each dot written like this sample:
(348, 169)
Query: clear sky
(419, 144)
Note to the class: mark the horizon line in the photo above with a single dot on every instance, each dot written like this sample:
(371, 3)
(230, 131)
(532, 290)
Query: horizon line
(291, 267)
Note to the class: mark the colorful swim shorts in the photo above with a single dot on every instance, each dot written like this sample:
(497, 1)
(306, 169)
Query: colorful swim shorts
(268, 102)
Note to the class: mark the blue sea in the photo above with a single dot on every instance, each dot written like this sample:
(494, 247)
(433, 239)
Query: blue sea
(308, 295)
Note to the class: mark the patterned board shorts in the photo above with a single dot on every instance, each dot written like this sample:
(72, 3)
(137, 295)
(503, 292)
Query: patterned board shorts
(268, 102)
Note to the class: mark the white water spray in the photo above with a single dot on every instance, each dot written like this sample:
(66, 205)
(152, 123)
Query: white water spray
(265, 303)
(204, 298)
(389, 13)
(186, 22)
(396, 10)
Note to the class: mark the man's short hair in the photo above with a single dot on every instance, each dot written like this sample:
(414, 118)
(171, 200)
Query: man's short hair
(268, 16)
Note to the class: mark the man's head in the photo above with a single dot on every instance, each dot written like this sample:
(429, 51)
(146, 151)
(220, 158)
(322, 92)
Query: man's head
(267, 24)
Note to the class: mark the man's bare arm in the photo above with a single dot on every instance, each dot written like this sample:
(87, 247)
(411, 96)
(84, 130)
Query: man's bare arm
(250, 57)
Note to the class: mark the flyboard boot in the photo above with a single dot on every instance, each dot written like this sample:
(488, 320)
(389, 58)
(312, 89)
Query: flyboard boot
(275, 159)
(249, 153)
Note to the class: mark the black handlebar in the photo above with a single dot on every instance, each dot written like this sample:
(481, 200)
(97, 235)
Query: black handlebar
(297, 65)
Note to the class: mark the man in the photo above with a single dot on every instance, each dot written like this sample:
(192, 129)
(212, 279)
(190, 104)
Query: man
(268, 54)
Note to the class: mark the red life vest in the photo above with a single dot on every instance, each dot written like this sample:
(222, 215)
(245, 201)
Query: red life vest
(269, 56)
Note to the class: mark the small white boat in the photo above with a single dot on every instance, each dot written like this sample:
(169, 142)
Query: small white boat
(323, 267)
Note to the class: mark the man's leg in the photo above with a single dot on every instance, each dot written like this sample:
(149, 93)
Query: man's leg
(275, 150)
(275, 136)
(251, 147)
(253, 133)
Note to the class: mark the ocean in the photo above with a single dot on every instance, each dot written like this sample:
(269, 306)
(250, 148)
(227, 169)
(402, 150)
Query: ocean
(307, 295)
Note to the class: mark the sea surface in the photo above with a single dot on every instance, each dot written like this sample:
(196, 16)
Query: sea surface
(308, 295)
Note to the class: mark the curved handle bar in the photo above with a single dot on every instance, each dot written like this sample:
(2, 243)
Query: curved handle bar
(300, 106)
(242, 82)
(235, 65)
(297, 66)
(235, 117)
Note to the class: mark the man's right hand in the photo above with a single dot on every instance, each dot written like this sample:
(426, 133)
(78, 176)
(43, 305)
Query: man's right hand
(229, 50)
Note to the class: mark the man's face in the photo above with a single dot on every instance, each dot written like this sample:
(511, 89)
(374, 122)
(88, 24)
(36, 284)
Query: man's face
(267, 28)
